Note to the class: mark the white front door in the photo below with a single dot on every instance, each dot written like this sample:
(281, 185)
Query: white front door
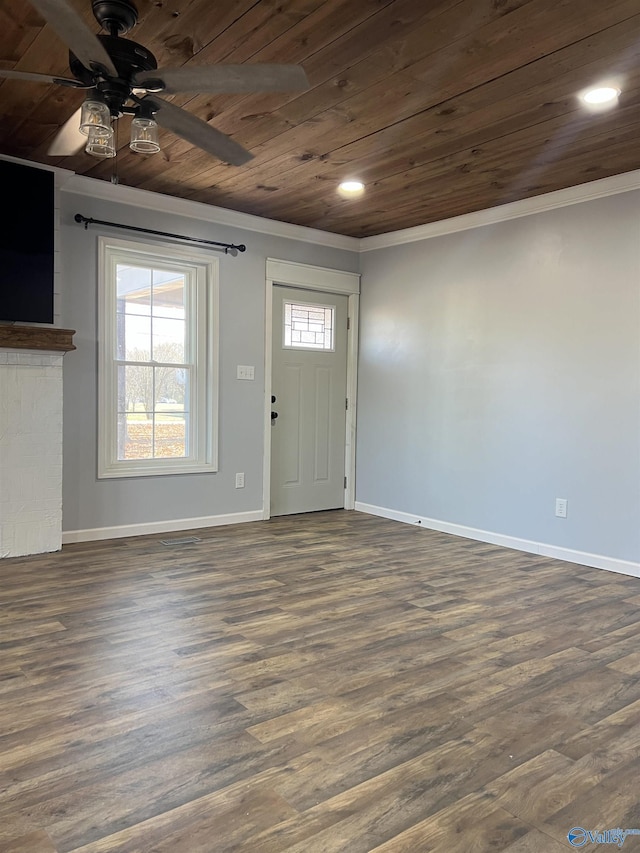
(308, 414)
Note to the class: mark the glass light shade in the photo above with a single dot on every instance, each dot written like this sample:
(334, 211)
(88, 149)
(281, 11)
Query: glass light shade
(101, 143)
(144, 136)
(94, 114)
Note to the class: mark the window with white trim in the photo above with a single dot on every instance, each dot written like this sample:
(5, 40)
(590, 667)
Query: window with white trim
(157, 360)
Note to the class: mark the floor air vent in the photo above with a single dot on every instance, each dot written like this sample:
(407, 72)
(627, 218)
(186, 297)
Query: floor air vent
(183, 540)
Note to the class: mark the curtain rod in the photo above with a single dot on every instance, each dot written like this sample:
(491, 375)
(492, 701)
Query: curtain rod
(228, 248)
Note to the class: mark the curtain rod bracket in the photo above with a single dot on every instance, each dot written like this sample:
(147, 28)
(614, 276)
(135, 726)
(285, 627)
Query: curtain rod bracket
(227, 248)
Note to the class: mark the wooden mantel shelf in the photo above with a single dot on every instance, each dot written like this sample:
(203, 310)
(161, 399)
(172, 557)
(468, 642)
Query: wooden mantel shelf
(37, 337)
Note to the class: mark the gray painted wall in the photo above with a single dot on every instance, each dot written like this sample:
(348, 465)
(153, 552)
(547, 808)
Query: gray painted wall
(500, 369)
(92, 503)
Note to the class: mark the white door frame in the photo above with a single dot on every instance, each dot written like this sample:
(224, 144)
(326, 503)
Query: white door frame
(308, 277)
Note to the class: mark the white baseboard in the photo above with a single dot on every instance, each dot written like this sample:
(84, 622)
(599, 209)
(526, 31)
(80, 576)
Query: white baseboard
(596, 561)
(97, 533)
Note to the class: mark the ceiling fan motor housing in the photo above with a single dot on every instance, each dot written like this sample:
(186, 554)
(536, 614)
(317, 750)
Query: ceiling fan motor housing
(129, 58)
(117, 17)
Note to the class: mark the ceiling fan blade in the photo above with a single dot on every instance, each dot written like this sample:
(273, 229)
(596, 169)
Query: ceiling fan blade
(228, 79)
(197, 132)
(68, 140)
(40, 78)
(74, 33)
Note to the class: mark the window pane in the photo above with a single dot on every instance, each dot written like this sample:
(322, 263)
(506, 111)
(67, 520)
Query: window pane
(133, 307)
(169, 340)
(171, 385)
(135, 389)
(133, 289)
(170, 436)
(134, 337)
(135, 435)
(308, 326)
(169, 294)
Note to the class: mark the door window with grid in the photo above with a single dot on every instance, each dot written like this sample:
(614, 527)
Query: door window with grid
(308, 326)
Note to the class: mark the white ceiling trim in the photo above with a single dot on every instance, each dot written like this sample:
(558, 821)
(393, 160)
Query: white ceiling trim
(94, 188)
(514, 210)
(81, 185)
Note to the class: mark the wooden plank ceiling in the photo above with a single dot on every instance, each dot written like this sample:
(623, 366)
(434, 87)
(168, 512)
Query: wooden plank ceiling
(441, 107)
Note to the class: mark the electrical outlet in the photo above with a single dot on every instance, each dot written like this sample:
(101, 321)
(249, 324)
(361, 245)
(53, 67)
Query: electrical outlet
(561, 507)
(239, 481)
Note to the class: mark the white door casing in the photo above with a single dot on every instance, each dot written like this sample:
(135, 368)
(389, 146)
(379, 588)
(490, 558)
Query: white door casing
(328, 281)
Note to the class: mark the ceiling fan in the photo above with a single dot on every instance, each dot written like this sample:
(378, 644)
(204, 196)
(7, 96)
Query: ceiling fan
(122, 78)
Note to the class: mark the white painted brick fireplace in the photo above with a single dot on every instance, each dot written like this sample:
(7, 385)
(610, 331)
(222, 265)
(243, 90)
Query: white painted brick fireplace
(30, 441)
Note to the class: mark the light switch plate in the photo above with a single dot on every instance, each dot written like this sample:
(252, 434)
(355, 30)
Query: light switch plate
(246, 371)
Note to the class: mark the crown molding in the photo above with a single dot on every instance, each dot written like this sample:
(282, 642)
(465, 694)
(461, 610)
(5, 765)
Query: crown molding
(514, 210)
(94, 188)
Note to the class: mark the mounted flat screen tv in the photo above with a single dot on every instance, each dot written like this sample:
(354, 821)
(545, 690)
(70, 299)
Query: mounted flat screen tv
(26, 244)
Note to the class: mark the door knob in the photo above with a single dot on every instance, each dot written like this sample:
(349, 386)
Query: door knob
(273, 398)
(274, 415)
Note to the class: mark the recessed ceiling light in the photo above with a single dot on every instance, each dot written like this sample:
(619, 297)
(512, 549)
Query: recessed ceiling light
(600, 95)
(350, 189)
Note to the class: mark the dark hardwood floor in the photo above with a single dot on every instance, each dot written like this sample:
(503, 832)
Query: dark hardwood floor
(321, 683)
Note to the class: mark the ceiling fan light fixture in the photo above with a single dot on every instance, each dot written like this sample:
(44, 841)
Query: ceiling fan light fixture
(116, 71)
(101, 143)
(95, 115)
(144, 136)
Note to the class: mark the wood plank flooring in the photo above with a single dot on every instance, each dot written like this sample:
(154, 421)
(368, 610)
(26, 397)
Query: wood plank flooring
(321, 683)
